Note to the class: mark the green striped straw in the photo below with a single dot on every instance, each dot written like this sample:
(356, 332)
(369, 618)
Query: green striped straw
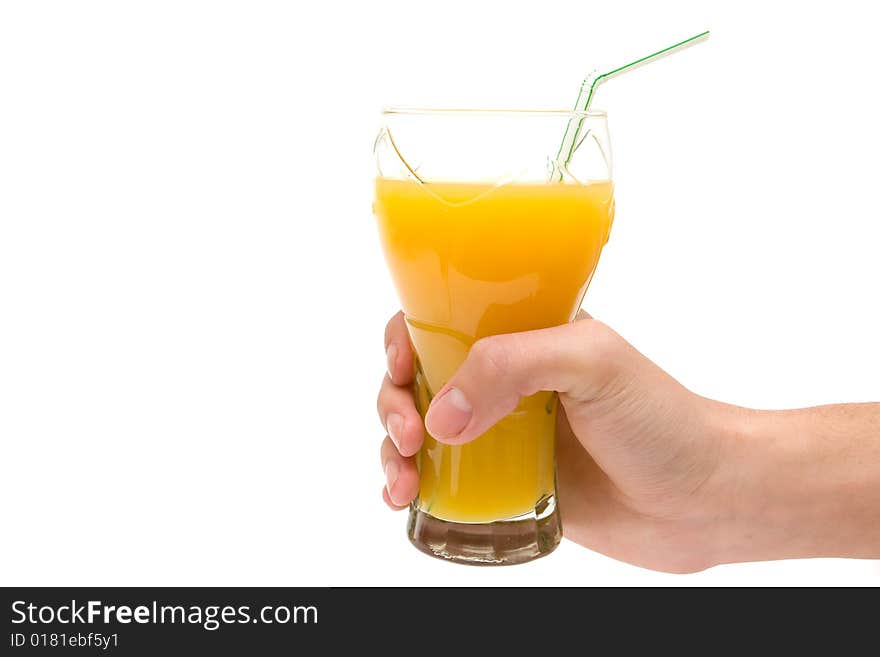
(585, 97)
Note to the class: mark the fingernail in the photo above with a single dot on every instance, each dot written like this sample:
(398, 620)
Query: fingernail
(394, 425)
(391, 355)
(392, 470)
(448, 414)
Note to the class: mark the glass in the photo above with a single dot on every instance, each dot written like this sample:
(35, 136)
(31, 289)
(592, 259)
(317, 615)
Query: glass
(486, 230)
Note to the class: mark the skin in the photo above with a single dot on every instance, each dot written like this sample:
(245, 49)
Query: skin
(649, 472)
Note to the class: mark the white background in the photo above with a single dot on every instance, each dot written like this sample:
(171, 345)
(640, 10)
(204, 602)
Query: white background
(192, 295)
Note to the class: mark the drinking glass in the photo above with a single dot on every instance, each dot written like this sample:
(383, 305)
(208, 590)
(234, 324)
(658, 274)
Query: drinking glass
(487, 228)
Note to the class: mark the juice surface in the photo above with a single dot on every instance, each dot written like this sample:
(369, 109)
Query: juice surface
(471, 260)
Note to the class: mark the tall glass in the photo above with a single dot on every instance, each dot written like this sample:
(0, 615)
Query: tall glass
(486, 230)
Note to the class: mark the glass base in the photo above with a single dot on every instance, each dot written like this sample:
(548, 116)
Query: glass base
(502, 543)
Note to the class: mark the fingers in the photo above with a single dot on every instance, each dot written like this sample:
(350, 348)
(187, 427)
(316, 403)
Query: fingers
(398, 351)
(401, 476)
(399, 416)
(582, 359)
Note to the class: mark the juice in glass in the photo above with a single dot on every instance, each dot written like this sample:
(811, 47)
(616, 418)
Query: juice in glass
(470, 261)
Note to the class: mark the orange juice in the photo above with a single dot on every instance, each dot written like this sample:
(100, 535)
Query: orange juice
(471, 260)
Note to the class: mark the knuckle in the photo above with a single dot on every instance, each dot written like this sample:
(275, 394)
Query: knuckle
(604, 343)
(380, 397)
(387, 338)
(604, 353)
(385, 447)
(390, 327)
(491, 357)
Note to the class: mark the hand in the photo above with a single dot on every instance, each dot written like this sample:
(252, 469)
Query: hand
(649, 472)
(635, 455)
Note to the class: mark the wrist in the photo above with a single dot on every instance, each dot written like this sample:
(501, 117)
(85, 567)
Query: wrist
(745, 498)
(786, 488)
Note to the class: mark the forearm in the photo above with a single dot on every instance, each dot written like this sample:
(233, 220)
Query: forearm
(802, 483)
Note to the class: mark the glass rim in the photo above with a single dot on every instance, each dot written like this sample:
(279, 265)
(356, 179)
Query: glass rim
(478, 111)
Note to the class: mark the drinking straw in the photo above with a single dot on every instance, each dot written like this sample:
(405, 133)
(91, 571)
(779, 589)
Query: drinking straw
(588, 87)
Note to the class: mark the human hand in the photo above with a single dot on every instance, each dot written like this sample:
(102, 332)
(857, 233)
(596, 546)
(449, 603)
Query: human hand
(649, 472)
(636, 455)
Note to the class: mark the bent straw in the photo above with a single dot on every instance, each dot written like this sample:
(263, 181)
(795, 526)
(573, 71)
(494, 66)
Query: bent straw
(588, 87)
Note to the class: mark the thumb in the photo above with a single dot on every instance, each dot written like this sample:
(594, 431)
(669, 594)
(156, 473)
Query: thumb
(583, 359)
